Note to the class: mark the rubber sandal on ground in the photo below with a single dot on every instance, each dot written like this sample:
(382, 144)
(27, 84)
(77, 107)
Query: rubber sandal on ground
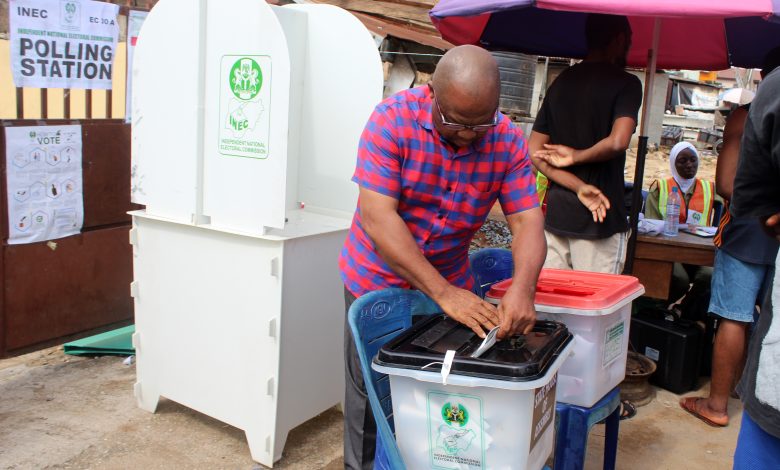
(689, 405)
(627, 410)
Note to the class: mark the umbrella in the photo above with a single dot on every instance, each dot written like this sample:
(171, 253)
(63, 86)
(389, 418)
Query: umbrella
(674, 34)
(695, 34)
(738, 96)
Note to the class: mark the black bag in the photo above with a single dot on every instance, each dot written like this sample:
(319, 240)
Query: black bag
(695, 305)
(672, 343)
(695, 308)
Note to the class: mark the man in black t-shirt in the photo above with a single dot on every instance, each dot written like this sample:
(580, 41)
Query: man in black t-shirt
(579, 141)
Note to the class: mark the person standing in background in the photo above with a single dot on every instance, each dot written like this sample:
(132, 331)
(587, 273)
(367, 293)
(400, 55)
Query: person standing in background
(757, 195)
(742, 269)
(579, 142)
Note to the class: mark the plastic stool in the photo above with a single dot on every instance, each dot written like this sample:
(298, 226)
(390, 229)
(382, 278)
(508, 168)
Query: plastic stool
(573, 424)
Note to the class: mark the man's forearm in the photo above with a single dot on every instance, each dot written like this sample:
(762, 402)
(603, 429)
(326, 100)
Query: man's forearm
(605, 149)
(610, 146)
(529, 250)
(561, 177)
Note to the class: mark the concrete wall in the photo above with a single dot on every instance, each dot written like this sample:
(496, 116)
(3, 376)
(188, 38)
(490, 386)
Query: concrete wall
(655, 118)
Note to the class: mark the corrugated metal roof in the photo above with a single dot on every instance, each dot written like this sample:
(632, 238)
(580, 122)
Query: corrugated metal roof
(403, 19)
(386, 28)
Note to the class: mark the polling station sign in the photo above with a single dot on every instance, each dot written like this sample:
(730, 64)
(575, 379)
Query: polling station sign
(63, 43)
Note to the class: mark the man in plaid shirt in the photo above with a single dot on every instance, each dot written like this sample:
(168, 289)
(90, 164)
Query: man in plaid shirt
(432, 162)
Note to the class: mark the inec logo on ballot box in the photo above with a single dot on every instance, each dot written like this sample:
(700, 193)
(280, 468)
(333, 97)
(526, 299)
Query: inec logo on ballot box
(455, 437)
(455, 415)
(246, 79)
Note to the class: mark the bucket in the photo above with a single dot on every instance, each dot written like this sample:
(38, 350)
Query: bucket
(596, 308)
(495, 411)
(636, 386)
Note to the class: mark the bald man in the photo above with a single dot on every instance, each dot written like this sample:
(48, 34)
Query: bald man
(431, 163)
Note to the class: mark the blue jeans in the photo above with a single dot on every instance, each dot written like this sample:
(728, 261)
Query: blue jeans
(736, 287)
(756, 449)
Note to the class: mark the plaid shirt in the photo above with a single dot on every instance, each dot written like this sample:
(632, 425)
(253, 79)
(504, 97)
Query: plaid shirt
(444, 194)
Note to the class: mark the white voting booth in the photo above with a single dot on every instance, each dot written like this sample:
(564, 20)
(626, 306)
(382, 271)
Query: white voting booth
(246, 120)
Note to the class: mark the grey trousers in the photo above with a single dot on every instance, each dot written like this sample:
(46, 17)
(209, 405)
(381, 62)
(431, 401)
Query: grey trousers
(359, 425)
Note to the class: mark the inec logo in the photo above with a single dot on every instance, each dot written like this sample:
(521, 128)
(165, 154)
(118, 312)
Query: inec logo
(244, 102)
(455, 415)
(246, 79)
(70, 14)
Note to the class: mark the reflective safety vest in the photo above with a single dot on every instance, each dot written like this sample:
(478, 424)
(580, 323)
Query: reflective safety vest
(541, 186)
(701, 201)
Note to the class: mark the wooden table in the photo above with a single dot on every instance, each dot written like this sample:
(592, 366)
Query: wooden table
(655, 257)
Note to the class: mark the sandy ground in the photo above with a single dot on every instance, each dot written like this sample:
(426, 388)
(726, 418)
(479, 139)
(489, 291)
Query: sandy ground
(60, 411)
(65, 412)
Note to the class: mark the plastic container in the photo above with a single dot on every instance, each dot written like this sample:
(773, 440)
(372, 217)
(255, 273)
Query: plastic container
(517, 72)
(496, 411)
(596, 308)
(672, 216)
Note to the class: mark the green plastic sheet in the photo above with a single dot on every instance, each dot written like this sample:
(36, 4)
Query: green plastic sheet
(117, 342)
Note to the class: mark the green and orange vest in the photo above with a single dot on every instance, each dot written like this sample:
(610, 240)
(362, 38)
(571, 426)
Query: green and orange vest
(700, 202)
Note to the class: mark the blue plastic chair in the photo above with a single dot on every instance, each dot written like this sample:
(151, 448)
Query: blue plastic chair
(573, 424)
(376, 318)
(627, 193)
(490, 265)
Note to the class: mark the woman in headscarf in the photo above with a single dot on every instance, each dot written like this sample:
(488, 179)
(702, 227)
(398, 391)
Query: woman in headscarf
(696, 208)
(697, 195)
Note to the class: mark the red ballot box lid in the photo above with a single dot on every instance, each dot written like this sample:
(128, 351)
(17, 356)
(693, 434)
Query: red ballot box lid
(576, 289)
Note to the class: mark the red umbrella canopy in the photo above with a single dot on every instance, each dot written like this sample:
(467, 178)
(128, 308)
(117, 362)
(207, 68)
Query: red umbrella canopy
(694, 34)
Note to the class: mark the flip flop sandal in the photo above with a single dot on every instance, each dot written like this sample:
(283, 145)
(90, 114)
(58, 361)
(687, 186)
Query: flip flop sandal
(689, 405)
(627, 410)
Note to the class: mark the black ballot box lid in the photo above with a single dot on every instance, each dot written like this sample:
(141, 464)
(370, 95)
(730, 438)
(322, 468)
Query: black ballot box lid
(519, 358)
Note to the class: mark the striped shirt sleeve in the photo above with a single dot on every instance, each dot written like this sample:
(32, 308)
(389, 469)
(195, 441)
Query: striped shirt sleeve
(379, 162)
(518, 190)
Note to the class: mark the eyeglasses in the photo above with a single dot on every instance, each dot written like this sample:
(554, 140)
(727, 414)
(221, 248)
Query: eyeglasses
(457, 127)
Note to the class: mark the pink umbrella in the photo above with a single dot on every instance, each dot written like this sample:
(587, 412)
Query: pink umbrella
(694, 34)
(677, 34)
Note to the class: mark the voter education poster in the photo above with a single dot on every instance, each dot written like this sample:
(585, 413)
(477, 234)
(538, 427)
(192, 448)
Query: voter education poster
(44, 182)
(63, 43)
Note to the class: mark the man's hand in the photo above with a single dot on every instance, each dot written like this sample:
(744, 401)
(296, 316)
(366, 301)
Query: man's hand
(517, 313)
(772, 225)
(467, 308)
(596, 202)
(559, 156)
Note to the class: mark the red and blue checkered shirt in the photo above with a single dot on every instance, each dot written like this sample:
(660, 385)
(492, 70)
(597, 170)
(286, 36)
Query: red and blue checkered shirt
(444, 194)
